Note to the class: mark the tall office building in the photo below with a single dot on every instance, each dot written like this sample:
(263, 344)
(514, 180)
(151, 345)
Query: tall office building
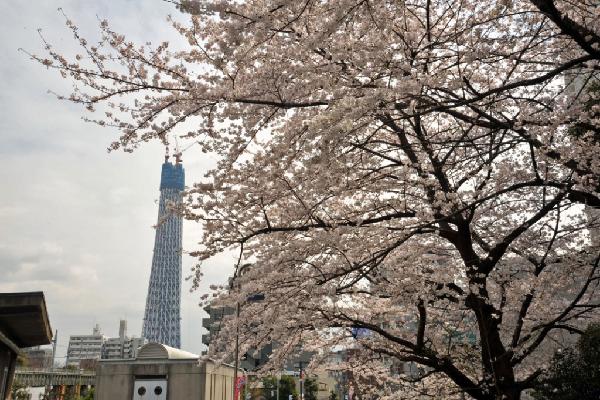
(162, 315)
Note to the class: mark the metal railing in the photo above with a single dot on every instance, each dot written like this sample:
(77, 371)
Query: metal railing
(53, 377)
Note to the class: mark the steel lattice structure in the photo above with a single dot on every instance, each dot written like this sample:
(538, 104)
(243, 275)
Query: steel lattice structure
(162, 322)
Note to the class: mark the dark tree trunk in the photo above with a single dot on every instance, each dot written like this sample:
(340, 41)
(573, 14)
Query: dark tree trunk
(495, 359)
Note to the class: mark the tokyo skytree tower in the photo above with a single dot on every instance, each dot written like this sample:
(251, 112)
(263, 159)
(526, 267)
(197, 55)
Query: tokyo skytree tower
(162, 321)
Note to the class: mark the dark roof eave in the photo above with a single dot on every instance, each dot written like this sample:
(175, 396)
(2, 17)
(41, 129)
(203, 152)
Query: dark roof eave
(9, 343)
(24, 318)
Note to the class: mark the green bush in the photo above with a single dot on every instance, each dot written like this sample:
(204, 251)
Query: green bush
(574, 374)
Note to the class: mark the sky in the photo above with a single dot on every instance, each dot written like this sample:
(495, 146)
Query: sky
(76, 222)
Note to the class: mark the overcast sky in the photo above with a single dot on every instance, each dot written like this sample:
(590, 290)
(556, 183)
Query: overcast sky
(76, 221)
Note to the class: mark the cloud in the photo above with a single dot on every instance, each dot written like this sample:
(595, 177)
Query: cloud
(39, 264)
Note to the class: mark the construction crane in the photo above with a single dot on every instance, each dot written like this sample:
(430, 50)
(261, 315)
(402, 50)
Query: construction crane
(178, 153)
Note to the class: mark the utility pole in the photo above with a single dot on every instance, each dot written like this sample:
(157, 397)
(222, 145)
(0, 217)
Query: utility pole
(237, 352)
(301, 364)
(54, 340)
(233, 285)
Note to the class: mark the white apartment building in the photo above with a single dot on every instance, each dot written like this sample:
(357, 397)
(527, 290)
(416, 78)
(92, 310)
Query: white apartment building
(85, 347)
(98, 346)
(122, 349)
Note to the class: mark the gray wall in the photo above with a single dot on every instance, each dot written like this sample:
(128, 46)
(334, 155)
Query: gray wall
(186, 379)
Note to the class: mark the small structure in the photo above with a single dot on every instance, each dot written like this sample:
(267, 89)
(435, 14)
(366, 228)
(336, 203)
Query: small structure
(161, 372)
(23, 323)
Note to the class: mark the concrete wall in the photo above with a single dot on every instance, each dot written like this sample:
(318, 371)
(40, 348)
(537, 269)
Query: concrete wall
(219, 381)
(186, 379)
(114, 381)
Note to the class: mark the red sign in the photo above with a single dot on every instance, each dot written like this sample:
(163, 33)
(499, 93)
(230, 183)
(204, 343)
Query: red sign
(241, 380)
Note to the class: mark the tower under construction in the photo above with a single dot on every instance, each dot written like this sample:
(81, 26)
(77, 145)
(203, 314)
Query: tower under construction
(162, 322)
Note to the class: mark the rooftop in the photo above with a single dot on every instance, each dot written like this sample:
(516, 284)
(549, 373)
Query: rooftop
(157, 351)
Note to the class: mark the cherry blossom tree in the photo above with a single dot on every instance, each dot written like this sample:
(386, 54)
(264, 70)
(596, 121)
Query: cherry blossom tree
(409, 169)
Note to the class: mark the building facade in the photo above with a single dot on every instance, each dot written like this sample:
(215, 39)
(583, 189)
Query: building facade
(213, 323)
(85, 347)
(122, 347)
(38, 357)
(119, 349)
(254, 358)
(162, 322)
(85, 350)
